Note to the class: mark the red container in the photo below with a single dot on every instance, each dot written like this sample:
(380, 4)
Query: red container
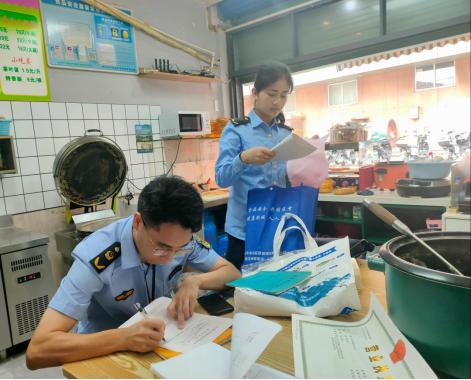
(367, 177)
(387, 173)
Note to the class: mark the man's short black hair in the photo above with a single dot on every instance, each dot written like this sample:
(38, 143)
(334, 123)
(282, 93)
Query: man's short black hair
(171, 200)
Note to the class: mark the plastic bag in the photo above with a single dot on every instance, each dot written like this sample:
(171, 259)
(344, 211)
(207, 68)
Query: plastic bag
(331, 290)
(312, 169)
(265, 208)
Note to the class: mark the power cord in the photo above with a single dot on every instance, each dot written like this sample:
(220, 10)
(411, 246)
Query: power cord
(175, 159)
(129, 196)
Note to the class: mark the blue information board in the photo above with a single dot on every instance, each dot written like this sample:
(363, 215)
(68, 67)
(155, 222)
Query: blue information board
(80, 36)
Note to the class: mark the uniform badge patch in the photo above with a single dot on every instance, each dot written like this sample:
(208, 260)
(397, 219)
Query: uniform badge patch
(124, 295)
(204, 243)
(240, 121)
(106, 257)
(286, 127)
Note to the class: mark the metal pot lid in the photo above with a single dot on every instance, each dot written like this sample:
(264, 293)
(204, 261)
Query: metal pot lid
(409, 256)
(89, 169)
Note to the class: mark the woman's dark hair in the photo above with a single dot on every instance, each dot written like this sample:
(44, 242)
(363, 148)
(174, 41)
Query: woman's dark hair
(271, 72)
(171, 200)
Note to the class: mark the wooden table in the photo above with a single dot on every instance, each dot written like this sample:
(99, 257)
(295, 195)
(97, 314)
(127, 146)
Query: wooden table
(279, 354)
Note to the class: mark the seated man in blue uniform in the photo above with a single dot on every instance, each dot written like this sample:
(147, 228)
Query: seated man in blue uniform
(136, 259)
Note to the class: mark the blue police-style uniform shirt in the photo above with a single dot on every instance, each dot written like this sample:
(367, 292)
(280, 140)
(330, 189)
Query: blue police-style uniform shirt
(104, 300)
(231, 171)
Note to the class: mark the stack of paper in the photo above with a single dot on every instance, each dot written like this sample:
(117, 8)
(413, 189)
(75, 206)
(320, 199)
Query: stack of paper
(199, 329)
(292, 148)
(251, 335)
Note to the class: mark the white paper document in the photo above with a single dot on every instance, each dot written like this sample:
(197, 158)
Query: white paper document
(292, 148)
(198, 330)
(251, 335)
(367, 349)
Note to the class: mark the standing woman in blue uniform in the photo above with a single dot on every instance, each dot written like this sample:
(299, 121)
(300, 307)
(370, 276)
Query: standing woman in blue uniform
(245, 160)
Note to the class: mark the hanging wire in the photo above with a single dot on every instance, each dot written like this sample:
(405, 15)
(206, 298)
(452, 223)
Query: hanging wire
(132, 183)
(128, 181)
(175, 159)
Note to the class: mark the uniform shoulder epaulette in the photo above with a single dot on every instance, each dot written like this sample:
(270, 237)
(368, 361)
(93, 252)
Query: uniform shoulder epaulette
(286, 127)
(106, 257)
(203, 243)
(240, 121)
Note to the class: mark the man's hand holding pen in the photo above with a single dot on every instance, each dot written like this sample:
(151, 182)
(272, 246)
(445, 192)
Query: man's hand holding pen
(145, 335)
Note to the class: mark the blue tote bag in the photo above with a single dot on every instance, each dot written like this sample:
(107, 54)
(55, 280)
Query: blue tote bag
(265, 207)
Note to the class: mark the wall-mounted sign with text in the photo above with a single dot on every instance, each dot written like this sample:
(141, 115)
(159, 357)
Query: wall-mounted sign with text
(23, 73)
(79, 36)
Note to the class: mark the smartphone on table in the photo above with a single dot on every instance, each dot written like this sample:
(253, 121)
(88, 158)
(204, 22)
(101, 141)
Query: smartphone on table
(215, 304)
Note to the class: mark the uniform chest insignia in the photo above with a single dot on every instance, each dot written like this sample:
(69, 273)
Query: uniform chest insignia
(240, 121)
(124, 295)
(106, 257)
(203, 243)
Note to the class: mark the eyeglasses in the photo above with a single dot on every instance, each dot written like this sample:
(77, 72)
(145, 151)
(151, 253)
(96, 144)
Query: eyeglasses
(160, 251)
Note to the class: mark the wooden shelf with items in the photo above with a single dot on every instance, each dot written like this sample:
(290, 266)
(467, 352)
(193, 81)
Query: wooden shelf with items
(156, 74)
(7, 155)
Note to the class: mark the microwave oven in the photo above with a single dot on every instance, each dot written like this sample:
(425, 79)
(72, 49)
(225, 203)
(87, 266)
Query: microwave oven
(184, 124)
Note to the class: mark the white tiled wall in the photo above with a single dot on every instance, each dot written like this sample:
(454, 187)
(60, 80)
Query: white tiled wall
(41, 129)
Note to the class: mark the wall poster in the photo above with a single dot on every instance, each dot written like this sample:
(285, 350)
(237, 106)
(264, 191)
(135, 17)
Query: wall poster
(144, 139)
(23, 74)
(79, 36)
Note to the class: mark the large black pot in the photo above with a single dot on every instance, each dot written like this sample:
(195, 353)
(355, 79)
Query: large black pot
(431, 306)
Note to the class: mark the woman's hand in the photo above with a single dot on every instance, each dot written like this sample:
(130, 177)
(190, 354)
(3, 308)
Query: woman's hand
(258, 155)
(145, 335)
(184, 301)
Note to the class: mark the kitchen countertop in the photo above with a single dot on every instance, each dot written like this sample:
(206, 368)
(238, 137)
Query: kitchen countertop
(15, 239)
(219, 197)
(386, 197)
(215, 198)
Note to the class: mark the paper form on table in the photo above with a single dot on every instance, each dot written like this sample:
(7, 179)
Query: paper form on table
(198, 330)
(370, 348)
(292, 147)
(251, 335)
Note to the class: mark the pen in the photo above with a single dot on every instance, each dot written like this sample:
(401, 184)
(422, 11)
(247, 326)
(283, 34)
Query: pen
(144, 314)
